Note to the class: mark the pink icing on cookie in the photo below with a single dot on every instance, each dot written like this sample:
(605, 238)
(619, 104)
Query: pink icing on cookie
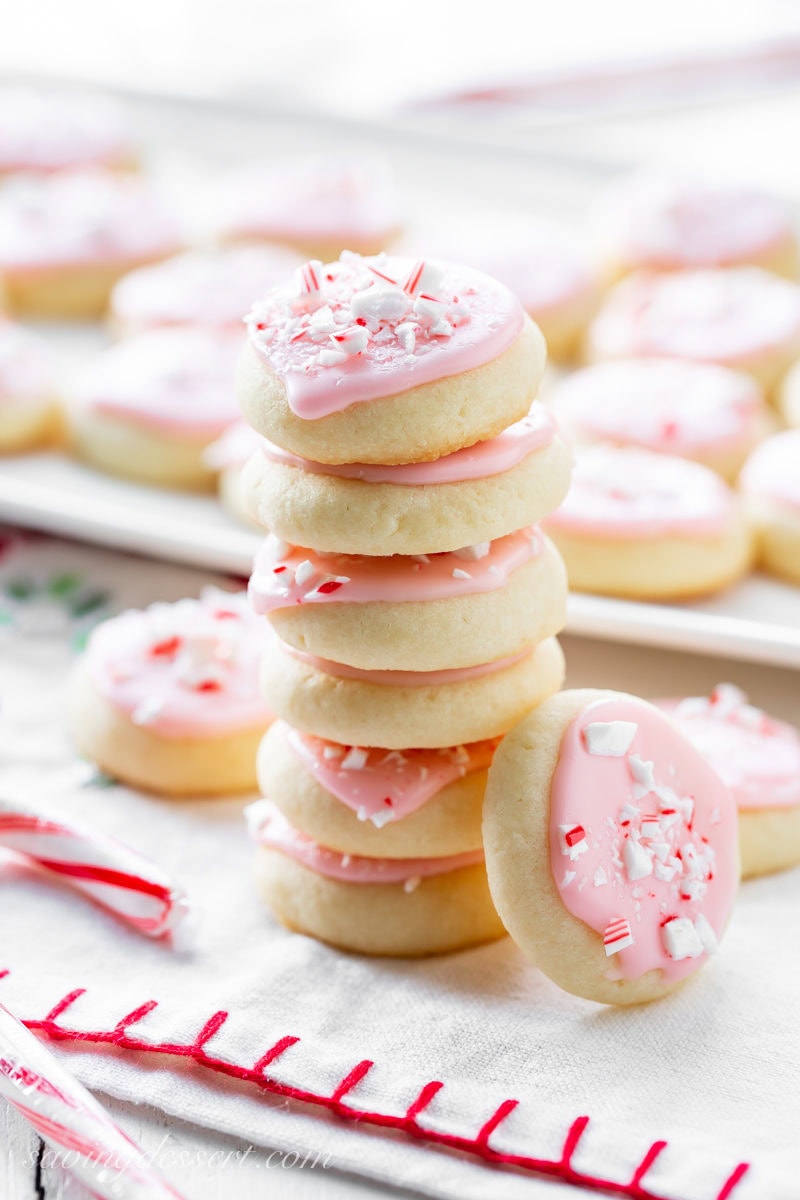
(773, 470)
(26, 368)
(729, 317)
(269, 828)
(207, 288)
(175, 380)
(404, 679)
(386, 785)
(80, 218)
(643, 838)
(757, 756)
(284, 576)
(50, 131)
(625, 492)
(481, 461)
(364, 328)
(183, 670)
(666, 405)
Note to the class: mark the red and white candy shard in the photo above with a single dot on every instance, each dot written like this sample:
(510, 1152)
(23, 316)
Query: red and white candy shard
(617, 936)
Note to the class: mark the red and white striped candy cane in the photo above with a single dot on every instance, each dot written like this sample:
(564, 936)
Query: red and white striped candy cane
(118, 878)
(90, 1145)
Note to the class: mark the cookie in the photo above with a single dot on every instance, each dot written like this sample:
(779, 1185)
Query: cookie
(167, 699)
(742, 318)
(611, 847)
(426, 613)
(770, 484)
(482, 492)
(695, 410)
(758, 757)
(226, 458)
(149, 407)
(44, 130)
(398, 709)
(788, 397)
(648, 526)
(384, 360)
(663, 222)
(29, 414)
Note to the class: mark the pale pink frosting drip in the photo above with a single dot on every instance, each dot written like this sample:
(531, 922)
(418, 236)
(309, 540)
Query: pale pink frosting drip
(27, 371)
(727, 317)
(51, 131)
(481, 461)
(285, 576)
(233, 447)
(756, 755)
(81, 217)
(773, 470)
(460, 320)
(176, 380)
(405, 679)
(269, 828)
(324, 200)
(656, 839)
(664, 222)
(666, 405)
(207, 288)
(183, 670)
(625, 492)
(382, 786)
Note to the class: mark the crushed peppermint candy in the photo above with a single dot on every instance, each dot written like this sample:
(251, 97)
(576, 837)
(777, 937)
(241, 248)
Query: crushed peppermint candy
(612, 738)
(617, 936)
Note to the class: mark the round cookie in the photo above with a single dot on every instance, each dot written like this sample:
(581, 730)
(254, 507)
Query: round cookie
(663, 222)
(742, 318)
(29, 414)
(611, 846)
(377, 802)
(788, 397)
(65, 239)
(384, 360)
(758, 757)
(694, 410)
(318, 207)
(394, 907)
(148, 408)
(397, 709)
(167, 699)
(770, 484)
(46, 130)
(648, 526)
(226, 457)
(482, 492)
(209, 288)
(425, 613)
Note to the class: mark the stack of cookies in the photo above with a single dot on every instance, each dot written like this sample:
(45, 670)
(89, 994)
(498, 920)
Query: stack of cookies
(414, 601)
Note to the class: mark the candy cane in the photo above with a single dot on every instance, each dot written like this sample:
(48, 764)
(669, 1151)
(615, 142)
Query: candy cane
(118, 878)
(70, 1120)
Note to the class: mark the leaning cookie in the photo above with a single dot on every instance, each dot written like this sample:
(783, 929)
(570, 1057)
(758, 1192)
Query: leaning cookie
(476, 494)
(648, 526)
(397, 709)
(611, 847)
(420, 613)
(759, 759)
(29, 413)
(384, 360)
(167, 699)
(770, 485)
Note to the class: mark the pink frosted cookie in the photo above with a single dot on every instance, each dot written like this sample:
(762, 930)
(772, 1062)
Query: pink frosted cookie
(148, 408)
(694, 410)
(387, 360)
(649, 526)
(759, 759)
(212, 288)
(414, 613)
(167, 698)
(611, 846)
(319, 207)
(743, 318)
(44, 131)
(476, 494)
(66, 238)
(670, 222)
(770, 483)
(28, 409)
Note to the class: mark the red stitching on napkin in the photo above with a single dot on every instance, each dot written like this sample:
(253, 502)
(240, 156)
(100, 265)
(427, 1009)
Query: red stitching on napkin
(486, 1131)
(351, 1079)
(647, 1162)
(274, 1052)
(736, 1175)
(422, 1101)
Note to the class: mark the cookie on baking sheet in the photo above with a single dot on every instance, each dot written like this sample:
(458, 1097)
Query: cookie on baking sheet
(770, 485)
(611, 846)
(387, 360)
(29, 412)
(759, 758)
